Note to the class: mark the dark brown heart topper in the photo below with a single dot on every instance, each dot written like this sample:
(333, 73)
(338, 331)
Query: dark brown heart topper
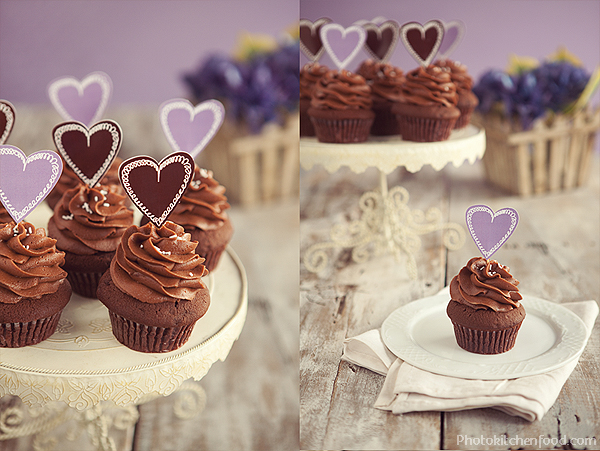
(7, 120)
(88, 152)
(422, 41)
(310, 38)
(381, 39)
(156, 188)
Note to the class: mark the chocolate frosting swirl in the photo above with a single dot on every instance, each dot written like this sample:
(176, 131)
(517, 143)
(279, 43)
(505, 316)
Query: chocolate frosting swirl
(29, 263)
(341, 90)
(158, 264)
(203, 204)
(458, 75)
(430, 86)
(90, 220)
(485, 284)
(310, 74)
(388, 83)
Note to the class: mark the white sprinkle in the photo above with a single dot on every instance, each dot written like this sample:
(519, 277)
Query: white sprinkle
(191, 274)
(68, 217)
(27, 246)
(165, 252)
(103, 192)
(141, 246)
(87, 208)
(196, 184)
(16, 230)
(29, 230)
(203, 172)
(106, 204)
(95, 198)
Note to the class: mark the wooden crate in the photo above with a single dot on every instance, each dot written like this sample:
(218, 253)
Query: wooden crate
(255, 168)
(552, 156)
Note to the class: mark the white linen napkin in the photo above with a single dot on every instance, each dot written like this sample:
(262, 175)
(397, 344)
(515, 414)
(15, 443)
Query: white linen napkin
(409, 389)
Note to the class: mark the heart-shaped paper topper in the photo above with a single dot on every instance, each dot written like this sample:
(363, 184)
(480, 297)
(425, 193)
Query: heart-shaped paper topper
(490, 230)
(156, 188)
(190, 128)
(381, 39)
(453, 35)
(7, 120)
(342, 44)
(83, 101)
(310, 38)
(25, 181)
(422, 41)
(88, 152)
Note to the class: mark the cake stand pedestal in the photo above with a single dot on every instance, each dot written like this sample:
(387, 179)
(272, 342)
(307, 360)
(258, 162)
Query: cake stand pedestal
(83, 373)
(386, 222)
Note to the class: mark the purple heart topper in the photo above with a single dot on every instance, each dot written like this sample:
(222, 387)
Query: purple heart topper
(25, 181)
(88, 152)
(84, 101)
(490, 230)
(342, 44)
(190, 128)
(310, 38)
(422, 41)
(381, 39)
(7, 120)
(453, 35)
(156, 188)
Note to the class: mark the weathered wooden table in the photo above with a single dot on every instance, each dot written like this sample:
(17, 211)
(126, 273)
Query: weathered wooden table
(555, 253)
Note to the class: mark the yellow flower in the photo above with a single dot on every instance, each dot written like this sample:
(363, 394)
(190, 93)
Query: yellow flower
(250, 44)
(562, 54)
(588, 92)
(519, 64)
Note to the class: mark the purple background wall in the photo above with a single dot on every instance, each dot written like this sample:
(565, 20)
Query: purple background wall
(494, 28)
(144, 46)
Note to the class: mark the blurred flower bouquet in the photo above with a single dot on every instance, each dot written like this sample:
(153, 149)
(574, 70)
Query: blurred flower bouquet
(255, 153)
(540, 128)
(258, 84)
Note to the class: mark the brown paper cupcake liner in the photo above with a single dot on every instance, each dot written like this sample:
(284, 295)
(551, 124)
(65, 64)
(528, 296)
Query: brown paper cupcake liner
(142, 338)
(212, 257)
(423, 129)
(84, 283)
(385, 123)
(486, 341)
(342, 130)
(17, 335)
(464, 118)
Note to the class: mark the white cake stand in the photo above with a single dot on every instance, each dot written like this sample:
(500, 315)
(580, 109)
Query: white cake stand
(387, 224)
(82, 371)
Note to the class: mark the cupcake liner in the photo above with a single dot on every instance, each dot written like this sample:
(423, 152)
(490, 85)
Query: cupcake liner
(17, 335)
(342, 130)
(142, 338)
(464, 118)
(385, 123)
(423, 129)
(306, 126)
(211, 257)
(84, 283)
(486, 341)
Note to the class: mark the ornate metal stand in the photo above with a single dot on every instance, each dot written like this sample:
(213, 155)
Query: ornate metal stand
(387, 224)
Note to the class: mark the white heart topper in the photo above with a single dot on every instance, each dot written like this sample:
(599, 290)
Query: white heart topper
(190, 128)
(422, 50)
(83, 101)
(342, 44)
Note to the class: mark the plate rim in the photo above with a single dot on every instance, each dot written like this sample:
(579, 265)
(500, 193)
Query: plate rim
(431, 362)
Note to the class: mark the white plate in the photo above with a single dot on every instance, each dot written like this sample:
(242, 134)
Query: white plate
(420, 333)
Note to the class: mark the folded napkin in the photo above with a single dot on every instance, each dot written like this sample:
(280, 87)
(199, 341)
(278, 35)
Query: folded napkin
(409, 389)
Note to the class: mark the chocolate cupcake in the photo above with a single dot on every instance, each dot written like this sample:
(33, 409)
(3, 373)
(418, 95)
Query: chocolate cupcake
(310, 74)
(484, 307)
(153, 289)
(340, 108)
(33, 286)
(467, 101)
(88, 224)
(428, 111)
(68, 180)
(386, 82)
(202, 211)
